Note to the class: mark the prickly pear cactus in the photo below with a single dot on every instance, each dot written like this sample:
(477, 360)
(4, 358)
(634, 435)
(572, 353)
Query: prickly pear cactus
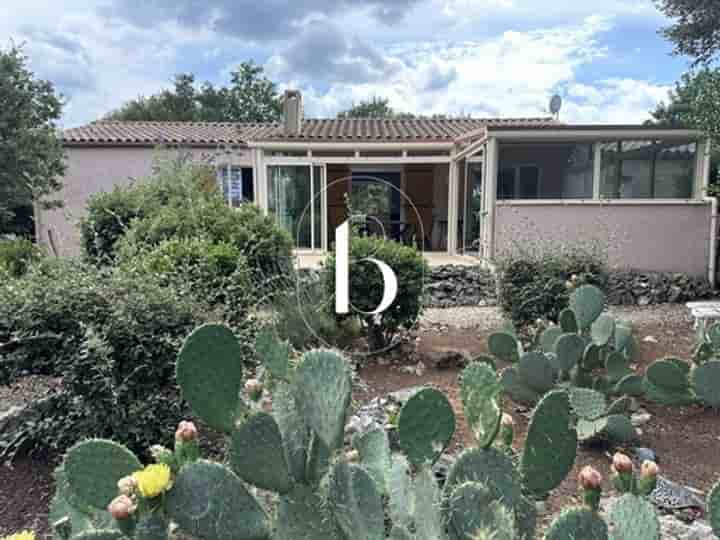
(257, 454)
(666, 382)
(274, 354)
(426, 426)
(587, 403)
(323, 391)
(569, 349)
(567, 321)
(550, 446)
(530, 379)
(633, 518)
(466, 510)
(302, 515)
(587, 303)
(374, 449)
(480, 392)
(549, 337)
(92, 469)
(713, 508)
(602, 330)
(576, 524)
(209, 372)
(151, 527)
(356, 502)
(208, 501)
(504, 346)
(705, 380)
(100, 535)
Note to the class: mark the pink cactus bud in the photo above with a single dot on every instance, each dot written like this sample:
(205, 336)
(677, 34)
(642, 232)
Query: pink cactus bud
(127, 485)
(622, 463)
(353, 456)
(507, 420)
(186, 431)
(121, 507)
(590, 478)
(649, 469)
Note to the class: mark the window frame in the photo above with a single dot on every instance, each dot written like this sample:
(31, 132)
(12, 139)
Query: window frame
(516, 180)
(223, 176)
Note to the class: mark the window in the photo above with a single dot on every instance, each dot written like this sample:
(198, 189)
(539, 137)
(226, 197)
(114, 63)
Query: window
(236, 184)
(647, 169)
(555, 170)
(521, 182)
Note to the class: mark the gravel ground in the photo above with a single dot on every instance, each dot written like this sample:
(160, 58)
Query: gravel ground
(26, 390)
(491, 318)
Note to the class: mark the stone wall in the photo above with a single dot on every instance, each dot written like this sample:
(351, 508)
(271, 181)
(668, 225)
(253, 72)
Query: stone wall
(458, 285)
(647, 288)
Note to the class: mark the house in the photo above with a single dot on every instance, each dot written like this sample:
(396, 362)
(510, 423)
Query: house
(458, 187)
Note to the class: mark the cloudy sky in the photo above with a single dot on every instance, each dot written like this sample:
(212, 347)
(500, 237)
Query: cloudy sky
(477, 57)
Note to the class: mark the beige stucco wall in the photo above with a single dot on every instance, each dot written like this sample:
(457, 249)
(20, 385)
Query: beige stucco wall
(94, 169)
(651, 237)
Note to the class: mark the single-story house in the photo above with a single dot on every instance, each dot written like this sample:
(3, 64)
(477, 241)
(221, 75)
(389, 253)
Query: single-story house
(458, 187)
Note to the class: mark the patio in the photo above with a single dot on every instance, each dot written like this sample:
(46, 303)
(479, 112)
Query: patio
(313, 260)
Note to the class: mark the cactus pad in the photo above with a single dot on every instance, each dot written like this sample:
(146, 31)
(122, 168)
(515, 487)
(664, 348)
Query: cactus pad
(108, 534)
(208, 501)
(620, 428)
(633, 518)
(567, 321)
(323, 390)
(273, 354)
(706, 382)
(300, 516)
(602, 330)
(400, 492)
(713, 335)
(586, 403)
(549, 337)
(504, 346)
(151, 527)
(550, 445)
(667, 374)
(713, 508)
(617, 367)
(426, 426)
(592, 357)
(577, 524)
(629, 385)
(466, 510)
(480, 391)
(623, 335)
(426, 506)
(492, 468)
(621, 405)
(589, 430)
(536, 372)
(257, 455)
(374, 449)
(295, 434)
(356, 502)
(92, 469)
(587, 302)
(209, 372)
(569, 349)
(400, 533)
(514, 385)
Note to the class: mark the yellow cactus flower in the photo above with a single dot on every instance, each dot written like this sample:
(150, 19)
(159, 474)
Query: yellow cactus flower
(153, 480)
(22, 535)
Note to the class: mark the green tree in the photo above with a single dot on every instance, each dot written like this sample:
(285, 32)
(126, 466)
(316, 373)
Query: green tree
(696, 27)
(251, 97)
(376, 107)
(31, 154)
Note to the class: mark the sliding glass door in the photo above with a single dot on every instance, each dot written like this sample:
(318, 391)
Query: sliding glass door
(296, 197)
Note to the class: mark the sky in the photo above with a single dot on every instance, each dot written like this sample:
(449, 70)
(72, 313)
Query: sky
(458, 57)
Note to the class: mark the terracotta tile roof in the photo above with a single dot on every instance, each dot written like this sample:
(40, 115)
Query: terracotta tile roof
(112, 133)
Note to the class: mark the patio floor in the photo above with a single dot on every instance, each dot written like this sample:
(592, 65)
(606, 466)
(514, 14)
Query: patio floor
(313, 260)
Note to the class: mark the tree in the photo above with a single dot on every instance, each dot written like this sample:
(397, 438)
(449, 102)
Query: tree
(696, 30)
(377, 107)
(31, 154)
(251, 97)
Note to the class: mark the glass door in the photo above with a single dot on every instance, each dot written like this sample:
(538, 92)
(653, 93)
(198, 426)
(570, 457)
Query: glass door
(296, 195)
(473, 208)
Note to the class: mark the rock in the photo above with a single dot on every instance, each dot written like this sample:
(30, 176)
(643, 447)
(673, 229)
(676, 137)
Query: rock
(640, 418)
(674, 529)
(645, 454)
(13, 417)
(447, 359)
(459, 285)
(650, 339)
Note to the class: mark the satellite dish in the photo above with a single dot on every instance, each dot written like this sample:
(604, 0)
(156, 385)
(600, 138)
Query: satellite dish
(555, 105)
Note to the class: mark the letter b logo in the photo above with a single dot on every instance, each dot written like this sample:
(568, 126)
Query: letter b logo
(342, 275)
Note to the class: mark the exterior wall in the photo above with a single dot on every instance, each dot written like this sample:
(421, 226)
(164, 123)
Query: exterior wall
(94, 169)
(658, 236)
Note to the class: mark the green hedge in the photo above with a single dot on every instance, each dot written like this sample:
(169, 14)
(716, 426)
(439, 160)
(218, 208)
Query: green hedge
(17, 255)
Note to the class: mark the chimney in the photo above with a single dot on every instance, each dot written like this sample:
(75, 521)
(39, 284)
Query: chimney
(292, 112)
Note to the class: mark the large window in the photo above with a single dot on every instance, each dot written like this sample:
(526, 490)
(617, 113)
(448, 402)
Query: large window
(545, 171)
(648, 170)
(236, 184)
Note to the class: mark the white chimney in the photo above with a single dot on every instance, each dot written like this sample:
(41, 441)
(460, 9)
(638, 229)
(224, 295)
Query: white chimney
(292, 112)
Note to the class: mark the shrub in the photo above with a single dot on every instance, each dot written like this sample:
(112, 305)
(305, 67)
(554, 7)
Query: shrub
(17, 254)
(534, 286)
(216, 274)
(366, 286)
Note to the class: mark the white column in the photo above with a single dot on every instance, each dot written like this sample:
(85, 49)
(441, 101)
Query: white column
(492, 157)
(452, 208)
(597, 170)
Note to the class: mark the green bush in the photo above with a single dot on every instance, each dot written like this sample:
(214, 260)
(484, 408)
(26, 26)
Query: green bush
(217, 274)
(17, 254)
(535, 286)
(113, 335)
(366, 286)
